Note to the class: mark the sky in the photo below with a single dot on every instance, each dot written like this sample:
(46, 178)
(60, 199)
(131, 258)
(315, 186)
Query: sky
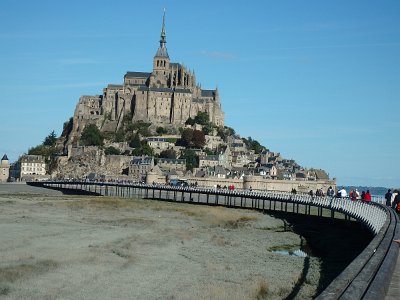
(317, 81)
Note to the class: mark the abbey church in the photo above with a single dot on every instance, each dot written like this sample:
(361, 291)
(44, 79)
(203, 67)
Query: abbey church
(167, 95)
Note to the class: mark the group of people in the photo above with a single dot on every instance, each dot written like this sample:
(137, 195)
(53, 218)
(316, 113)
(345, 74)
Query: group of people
(393, 199)
(354, 195)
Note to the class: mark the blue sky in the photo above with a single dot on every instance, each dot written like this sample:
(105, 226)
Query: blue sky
(317, 81)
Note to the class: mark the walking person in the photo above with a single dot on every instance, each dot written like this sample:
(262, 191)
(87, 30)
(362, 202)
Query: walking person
(388, 197)
(367, 196)
(330, 192)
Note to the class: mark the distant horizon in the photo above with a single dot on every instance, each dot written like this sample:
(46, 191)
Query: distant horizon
(315, 81)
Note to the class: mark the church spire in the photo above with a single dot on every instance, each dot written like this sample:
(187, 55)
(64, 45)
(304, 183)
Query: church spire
(162, 50)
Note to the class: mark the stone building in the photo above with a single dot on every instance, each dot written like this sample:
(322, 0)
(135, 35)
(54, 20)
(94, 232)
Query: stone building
(169, 164)
(169, 94)
(4, 169)
(140, 166)
(32, 166)
(208, 161)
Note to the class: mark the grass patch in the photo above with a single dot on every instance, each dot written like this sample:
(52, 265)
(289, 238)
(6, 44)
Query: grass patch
(16, 272)
(262, 290)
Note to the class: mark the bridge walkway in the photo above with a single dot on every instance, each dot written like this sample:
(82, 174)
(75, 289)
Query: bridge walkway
(394, 287)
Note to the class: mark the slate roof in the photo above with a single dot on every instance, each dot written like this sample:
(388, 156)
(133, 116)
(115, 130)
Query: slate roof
(166, 90)
(115, 86)
(156, 139)
(207, 93)
(141, 160)
(208, 157)
(5, 157)
(174, 161)
(183, 91)
(137, 74)
(162, 52)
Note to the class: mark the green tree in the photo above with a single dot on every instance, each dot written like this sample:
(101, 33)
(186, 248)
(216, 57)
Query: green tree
(202, 118)
(169, 153)
(190, 121)
(91, 136)
(191, 159)
(207, 129)
(253, 145)
(111, 151)
(144, 149)
(50, 140)
(161, 130)
(135, 141)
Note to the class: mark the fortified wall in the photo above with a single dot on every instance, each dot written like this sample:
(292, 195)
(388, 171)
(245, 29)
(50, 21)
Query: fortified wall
(253, 183)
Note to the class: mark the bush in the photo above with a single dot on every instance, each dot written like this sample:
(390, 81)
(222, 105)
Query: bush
(202, 118)
(135, 141)
(161, 130)
(112, 151)
(91, 136)
(169, 153)
(191, 159)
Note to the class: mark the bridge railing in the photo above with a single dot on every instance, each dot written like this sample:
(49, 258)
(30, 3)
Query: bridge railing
(368, 276)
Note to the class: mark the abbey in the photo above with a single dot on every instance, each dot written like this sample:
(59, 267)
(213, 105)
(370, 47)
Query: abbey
(167, 95)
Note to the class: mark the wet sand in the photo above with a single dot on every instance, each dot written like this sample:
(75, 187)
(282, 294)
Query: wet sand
(54, 246)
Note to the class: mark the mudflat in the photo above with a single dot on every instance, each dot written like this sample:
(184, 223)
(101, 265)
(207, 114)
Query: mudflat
(55, 246)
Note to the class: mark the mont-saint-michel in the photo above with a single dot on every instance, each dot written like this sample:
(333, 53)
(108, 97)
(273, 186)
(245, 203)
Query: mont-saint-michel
(162, 127)
(147, 194)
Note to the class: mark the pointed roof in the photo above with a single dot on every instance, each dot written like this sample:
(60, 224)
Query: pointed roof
(5, 157)
(162, 50)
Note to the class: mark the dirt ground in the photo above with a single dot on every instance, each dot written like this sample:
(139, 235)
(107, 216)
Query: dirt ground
(54, 246)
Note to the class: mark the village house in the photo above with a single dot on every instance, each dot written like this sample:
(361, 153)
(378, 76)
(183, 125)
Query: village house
(140, 166)
(169, 164)
(208, 161)
(32, 167)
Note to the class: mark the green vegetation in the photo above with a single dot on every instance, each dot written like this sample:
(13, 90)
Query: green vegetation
(119, 136)
(253, 145)
(192, 138)
(91, 136)
(47, 149)
(202, 118)
(144, 149)
(135, 141)
(191, 159)
(161, 130)
(141, 127)
(190, 121)
(169, 153)
(224, 132)
(50, 140)
(111, 151)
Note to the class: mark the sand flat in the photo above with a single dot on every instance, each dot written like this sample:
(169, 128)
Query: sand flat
(54, 246)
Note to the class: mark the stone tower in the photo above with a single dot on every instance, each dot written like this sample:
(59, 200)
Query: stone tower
(159, 76)
(4, 169)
